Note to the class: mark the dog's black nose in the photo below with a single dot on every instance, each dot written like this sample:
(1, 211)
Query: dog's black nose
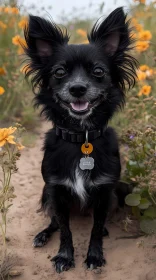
(78, 89)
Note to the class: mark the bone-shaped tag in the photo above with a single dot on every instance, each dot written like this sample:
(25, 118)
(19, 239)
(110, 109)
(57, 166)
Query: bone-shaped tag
(86, 163)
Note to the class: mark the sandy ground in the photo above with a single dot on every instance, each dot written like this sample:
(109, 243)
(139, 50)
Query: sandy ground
(125, 260)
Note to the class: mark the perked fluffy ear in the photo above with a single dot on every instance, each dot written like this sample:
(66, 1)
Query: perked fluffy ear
(113, 36)
(44, 48)
(112, 33)
(42, 36)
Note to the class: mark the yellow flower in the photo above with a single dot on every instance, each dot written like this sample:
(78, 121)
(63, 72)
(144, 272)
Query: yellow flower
(23, 23)
(145, 90)
(2, 90)
(135, 24)
(144, 67)
(7, 10)
(149, 72)
(20, 146)
(15, 10)
(15, 40)
(145, 35)
(81, 32)
(3, 25)
(142, 46)
(140, 1)
(141, 75)
(2, 71)
(5, 135)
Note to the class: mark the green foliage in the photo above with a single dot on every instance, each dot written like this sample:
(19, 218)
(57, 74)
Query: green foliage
(136, 124)
(140, 172)
(148, 226)
(9, 155)
(133, 199)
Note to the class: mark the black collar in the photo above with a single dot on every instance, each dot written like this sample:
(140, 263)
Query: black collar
(78, 137)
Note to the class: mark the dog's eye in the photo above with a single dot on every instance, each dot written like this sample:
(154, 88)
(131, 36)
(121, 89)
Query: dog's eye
(60, 73)
(98, 72)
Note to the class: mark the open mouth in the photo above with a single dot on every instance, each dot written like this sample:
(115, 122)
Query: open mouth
(80, 106)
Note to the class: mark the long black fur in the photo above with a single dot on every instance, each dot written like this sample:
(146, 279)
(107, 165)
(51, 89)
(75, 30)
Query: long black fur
(48, 51)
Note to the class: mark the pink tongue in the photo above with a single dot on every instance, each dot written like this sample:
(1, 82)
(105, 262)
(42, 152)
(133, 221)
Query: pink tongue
(79, 105)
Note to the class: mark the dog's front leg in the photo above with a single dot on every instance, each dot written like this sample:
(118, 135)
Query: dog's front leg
(101, 203)
(64, 260)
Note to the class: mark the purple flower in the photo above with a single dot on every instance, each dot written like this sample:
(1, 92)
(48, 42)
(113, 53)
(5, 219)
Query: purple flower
(131, 136)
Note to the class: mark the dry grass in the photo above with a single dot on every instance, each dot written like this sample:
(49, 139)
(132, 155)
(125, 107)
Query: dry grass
(7, 262)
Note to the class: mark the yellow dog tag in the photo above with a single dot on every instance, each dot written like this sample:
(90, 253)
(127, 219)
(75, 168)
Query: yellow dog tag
(87, 148)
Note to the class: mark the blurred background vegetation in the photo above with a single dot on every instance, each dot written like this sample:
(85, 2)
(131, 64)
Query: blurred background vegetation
(135, 124)
(15, 93)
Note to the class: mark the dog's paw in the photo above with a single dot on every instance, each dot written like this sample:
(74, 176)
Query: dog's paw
(40, 239)
(62, 263)
(94, 262)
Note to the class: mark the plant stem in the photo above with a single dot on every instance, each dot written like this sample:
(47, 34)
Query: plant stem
(6, 186)
(3, 235)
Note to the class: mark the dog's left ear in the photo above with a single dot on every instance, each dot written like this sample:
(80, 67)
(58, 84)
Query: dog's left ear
(112, 33)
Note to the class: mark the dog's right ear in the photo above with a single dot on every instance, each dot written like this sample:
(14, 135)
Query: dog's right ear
(42, 37)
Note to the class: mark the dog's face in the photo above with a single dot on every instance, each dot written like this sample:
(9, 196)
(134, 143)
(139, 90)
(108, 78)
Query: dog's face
(85, 82)
(80, 79)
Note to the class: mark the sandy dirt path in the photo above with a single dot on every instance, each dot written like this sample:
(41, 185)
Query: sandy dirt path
(125, 260)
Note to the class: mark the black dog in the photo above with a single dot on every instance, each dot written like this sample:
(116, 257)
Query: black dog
(80, 87)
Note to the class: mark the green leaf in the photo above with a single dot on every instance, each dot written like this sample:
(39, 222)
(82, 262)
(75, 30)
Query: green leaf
(133, 199)
(150, 212)
(148, 226)
(144, 203)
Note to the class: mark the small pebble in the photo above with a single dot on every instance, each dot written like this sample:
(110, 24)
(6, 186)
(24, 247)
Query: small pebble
(14, 273)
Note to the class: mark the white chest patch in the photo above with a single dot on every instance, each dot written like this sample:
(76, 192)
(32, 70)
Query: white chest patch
(76, 185)
(79, 185)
